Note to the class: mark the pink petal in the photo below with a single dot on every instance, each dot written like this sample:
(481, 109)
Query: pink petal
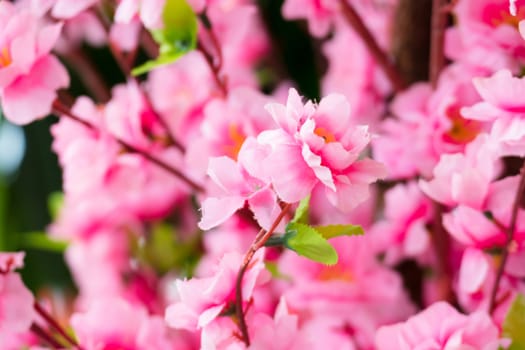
(473, 271)
(47, 37)
(68, 9)
(180, 316)
(321, 172)
(265, 208)
(291, 177)
(333, 114)
(502, 90)
(209, 315)
(215, 211)
(225, 173)
(31, 97)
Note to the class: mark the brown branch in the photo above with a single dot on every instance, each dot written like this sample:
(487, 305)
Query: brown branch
(214, 69)
(441, 242)
(88, 73)
(259, 241)
(55, 325)
(437, 39)
(510, 237)
(45, 336)
(60, 109)
(381, 57)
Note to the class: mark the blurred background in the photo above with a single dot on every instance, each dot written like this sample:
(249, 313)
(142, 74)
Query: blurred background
(30, 178)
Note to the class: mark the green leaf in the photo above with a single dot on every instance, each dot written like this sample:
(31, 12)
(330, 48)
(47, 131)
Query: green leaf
(177, 36)
(40, 241)
(302, 211)
(514, 323)
(331, 231)
(54, 203)
(307, 242)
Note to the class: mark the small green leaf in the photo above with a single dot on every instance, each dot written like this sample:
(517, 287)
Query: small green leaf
(331, 231)
(302, 211)
(307, 242)
(514, 323)
(177, 36)
(54, 203)
(40, 241)
(150, 65)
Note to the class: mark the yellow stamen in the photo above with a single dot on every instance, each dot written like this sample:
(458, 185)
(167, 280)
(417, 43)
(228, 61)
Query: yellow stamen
(5, 57)
(504, 17)
(325, 134)
(335, 273)
(237, 139)
(462, 130)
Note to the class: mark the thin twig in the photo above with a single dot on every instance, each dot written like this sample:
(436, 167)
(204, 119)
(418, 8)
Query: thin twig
(437, 40)
(259, 241)
(88, 73)
(54, 324)
(60, 109)
(214, 70)
(388, 67)
(441, 242)
(45, 336)
(510, 237)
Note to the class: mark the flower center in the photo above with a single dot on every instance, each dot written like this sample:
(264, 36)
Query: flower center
(462, 130)
(325, 134)
(496, 15)
(236, 138)
(5, 57)
(335, 273)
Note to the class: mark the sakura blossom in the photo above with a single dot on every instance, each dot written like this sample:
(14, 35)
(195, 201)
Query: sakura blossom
(237, 174)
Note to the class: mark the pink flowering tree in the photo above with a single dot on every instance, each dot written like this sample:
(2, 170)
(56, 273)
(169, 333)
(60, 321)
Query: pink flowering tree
(213, 200)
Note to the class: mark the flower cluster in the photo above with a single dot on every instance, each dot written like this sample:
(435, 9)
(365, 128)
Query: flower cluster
(209, 205)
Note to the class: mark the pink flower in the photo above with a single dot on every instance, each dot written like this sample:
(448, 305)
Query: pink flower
(68, 9)
(112, 323)
(226, 125)
(149, 11)
(320, 14)
(487, 30)
(352, 291)
(238, 187)
(502, 94)
(16, 301)
(464, 178)
(317, 146)
(403, 231)
(29, 75)
(202, 300)
(440, 327)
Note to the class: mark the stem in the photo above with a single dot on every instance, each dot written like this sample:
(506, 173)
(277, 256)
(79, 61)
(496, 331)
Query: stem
(45, 336)
(354, 20)
(214, 69)
(441, 242)
(437, 39)
(148, 44)
(88, 74)
(510, 237)
(54, 324)
(60, 109)
(215, 64)
(259, 241)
